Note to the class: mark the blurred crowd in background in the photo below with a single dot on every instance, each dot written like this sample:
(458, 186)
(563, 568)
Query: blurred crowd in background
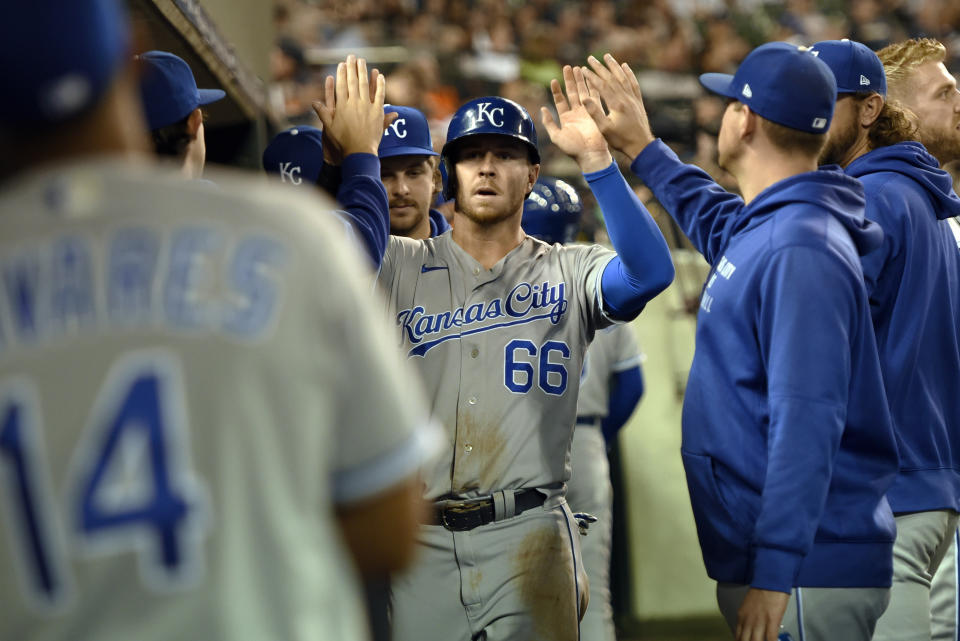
(439, 53)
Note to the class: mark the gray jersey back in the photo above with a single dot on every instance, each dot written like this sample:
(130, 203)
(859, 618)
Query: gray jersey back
(613, 350)
(500, 352)
(184, 381)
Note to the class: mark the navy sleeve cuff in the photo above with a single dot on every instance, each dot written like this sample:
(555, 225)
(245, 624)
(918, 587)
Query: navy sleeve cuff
(361, 164)
(775, 569)
(651, 159)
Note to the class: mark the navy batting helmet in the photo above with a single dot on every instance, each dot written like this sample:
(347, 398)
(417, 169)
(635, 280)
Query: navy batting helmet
(490, 115)
(552, 211)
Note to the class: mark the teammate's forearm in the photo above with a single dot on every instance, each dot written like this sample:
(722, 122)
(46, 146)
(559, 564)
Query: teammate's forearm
(364, 200)
(626, 388)
(643, 267)
(700, 206)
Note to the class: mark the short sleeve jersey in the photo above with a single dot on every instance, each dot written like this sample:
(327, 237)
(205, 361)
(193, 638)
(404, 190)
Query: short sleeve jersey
(184, 396)
(500, 352)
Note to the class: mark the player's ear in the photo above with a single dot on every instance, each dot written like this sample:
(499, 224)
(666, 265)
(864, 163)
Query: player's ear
(194, 120)
(870, 109)
(532, 177)
(748, 122)
(437, 177)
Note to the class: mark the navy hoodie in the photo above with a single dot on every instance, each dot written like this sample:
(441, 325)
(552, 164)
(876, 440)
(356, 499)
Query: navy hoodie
(914, 285)
(787, 441)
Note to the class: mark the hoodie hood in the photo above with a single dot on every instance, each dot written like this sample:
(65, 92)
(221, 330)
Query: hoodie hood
(911, 159)
(827, 188)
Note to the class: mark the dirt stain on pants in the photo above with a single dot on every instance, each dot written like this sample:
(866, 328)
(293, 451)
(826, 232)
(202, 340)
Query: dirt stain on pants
(547, 586)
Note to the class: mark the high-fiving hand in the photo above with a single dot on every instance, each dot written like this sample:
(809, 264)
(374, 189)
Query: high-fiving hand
(576, 134)
(352, 111)
(624, 124)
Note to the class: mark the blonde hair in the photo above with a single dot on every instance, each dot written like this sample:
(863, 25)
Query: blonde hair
(895, 124)
(902, 58)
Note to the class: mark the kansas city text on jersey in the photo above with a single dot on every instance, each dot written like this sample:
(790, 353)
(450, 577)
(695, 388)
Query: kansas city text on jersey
(525, 303)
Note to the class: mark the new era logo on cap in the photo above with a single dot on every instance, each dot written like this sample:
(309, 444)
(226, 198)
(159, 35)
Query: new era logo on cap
(855, 67)
(783, 83)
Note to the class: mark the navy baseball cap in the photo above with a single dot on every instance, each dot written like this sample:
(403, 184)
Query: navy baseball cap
(59, 57)
(295, 154)
(408, 135)
(853, 64)
(783, 83)
(169, 90)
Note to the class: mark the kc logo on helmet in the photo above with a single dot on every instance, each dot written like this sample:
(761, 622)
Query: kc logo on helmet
(489, 114)
(291, 173)
(398, 131)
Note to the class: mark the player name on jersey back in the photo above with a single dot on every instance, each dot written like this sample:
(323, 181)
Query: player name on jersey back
(178, 279)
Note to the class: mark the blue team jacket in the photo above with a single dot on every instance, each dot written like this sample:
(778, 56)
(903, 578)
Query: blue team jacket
(787, 443)
(914, 284)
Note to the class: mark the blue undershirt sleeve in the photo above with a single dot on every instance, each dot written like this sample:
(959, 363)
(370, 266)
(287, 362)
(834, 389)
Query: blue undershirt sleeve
(626, 389)
(643, 267)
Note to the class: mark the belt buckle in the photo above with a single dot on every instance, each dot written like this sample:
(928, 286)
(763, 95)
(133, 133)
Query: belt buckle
(462, 507)
(447, 524)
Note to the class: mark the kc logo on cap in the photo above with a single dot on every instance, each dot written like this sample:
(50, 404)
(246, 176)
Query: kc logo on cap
(408, 135)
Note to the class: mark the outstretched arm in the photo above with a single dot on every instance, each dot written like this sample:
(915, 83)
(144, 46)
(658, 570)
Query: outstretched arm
(642, 268)
(700, 206)
(353, 121)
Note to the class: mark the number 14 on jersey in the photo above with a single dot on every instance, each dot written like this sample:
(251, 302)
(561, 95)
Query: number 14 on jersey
(129, 484)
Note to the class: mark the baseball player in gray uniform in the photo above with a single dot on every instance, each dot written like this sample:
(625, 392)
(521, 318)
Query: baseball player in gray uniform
(185, 450)
(497, 324)
(611, 385)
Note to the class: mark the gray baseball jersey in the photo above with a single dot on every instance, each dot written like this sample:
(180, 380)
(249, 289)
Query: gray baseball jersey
(613, 350)
(500, 352)
(185, 393)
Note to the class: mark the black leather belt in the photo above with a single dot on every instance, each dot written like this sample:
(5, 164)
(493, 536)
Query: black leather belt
(592, 419)
(461, 515)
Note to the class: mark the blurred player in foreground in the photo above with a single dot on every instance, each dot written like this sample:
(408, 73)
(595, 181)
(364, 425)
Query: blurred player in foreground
(186, 450)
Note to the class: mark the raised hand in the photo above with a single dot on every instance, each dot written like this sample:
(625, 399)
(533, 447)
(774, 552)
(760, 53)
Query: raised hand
(624, 125)
(576, 134)
(352, 110)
